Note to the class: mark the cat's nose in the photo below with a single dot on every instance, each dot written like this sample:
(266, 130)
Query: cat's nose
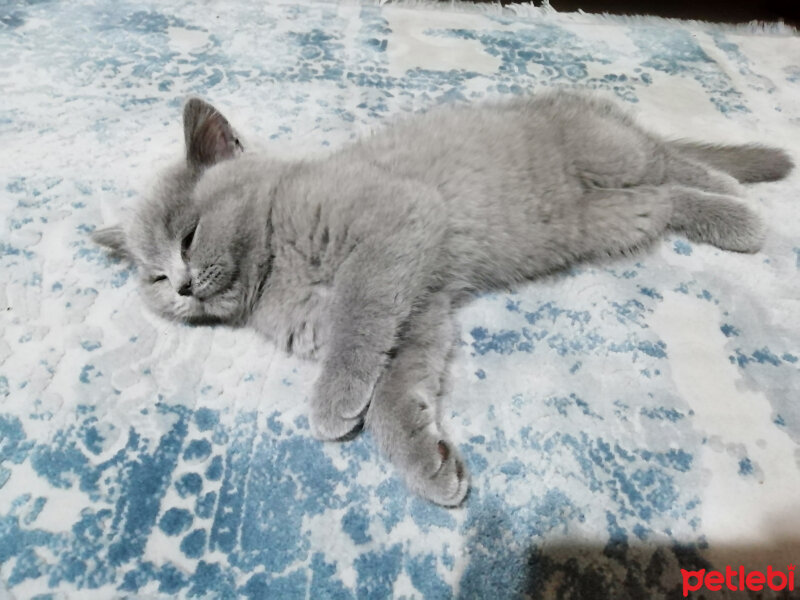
(185, 289)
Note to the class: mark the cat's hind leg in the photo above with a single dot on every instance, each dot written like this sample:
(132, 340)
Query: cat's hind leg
(718, 219)
(621, 221)
(403, 415)
(707, 208)
(625, 220)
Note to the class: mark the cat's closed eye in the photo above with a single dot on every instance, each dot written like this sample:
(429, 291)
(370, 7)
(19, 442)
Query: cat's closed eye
(158, 278)
(186, 242)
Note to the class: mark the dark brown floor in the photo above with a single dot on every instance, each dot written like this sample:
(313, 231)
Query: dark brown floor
(725, 11)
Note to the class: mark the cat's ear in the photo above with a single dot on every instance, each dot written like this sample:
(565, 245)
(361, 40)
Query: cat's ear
(209, 137)
(113, 238)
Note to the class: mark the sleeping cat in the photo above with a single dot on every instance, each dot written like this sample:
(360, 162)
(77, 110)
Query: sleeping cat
(358, 259)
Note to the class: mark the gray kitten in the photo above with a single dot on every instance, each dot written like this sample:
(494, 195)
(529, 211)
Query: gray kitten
(359, 258)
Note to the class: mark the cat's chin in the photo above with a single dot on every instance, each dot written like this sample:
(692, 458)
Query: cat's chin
(181, 309)
(222, 307)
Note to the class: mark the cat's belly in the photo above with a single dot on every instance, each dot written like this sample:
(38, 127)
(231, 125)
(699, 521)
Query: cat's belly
(295, 320)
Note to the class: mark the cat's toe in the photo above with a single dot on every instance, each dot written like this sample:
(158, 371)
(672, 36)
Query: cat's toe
(329, 427)
(353, 403)
(341, 396)
(338, 406)
(447, 483)
(749, 236)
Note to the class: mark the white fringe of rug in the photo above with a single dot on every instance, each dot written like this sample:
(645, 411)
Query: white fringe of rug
(528, 10)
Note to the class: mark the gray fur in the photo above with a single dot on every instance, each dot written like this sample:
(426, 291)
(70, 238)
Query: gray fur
(750, 163)
(358, 259)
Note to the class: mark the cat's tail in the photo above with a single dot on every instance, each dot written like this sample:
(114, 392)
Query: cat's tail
(749, 163)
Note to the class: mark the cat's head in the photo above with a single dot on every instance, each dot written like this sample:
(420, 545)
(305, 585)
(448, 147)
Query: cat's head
(199, 240)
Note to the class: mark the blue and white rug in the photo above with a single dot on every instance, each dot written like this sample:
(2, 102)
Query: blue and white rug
(621, 422)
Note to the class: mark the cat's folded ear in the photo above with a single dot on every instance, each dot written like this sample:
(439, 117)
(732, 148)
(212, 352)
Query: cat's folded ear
(209, 137)
(112, 238)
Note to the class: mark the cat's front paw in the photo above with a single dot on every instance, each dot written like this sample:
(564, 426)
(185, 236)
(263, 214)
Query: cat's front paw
(439, 473)
(338, 406)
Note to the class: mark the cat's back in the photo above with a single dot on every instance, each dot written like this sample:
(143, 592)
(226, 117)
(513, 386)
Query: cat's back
(496, 148)
(465, 152)
(447, 137)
